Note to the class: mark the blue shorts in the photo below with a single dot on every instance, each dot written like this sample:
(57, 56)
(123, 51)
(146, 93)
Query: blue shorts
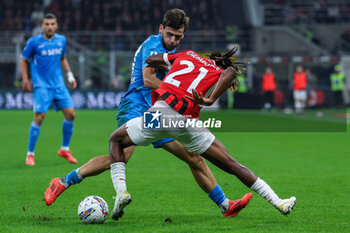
(44, 97)
(134, 105)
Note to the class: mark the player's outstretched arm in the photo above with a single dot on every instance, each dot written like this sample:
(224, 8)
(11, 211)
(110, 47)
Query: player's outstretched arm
(26, 86)
(224, 83)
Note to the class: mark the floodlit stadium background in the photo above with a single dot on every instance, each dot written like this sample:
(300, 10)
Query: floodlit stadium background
(302, 157)
(104, 35)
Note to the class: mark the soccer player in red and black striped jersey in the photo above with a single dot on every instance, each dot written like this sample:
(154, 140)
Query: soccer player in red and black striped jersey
(188, 71)
(181, 93)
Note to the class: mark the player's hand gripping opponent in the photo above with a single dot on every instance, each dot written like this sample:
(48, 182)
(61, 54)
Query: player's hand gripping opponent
(200, 99)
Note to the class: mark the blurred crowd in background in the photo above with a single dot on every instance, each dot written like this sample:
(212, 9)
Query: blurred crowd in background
(119, 17)
(80, 15)
(320, 11)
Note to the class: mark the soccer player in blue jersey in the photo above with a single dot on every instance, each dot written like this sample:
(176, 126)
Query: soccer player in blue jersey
(47, 53)
(134, 104)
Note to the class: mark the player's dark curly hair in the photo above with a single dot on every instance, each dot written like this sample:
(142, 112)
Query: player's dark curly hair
(226, 60)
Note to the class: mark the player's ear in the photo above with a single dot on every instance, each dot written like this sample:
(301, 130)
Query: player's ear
(161, 28)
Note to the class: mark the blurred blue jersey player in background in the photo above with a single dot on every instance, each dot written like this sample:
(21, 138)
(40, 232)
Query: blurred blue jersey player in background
(46, 53)
(134, 104)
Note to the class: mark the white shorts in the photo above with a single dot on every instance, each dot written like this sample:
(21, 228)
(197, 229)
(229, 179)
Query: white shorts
(195, 140)
(300, 95)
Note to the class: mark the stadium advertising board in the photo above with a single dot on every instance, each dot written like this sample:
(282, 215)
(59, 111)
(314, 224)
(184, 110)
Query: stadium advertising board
(82, 99)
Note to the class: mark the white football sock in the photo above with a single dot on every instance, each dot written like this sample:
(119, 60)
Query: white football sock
(78, 173)
(118, 176)
(265, 191)
(65, 148)
(30, 153)
(224, 205)
(63, 182)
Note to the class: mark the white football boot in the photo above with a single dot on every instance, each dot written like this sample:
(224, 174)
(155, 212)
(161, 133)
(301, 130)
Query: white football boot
(286, 205)
(121, 201)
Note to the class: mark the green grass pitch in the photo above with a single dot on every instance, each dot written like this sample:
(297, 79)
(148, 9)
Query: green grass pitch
(314, 167)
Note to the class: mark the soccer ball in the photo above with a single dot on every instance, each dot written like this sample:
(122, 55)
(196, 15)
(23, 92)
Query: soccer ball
(93, 209)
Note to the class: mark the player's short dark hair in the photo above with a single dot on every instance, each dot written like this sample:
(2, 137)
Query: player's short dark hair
(176, 18)
(50, 16)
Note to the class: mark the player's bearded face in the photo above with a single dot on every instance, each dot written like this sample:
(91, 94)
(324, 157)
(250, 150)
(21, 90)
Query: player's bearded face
(171, 37)
(49, 26)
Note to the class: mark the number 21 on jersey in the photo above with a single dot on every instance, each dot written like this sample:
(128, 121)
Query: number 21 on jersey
(190, 67)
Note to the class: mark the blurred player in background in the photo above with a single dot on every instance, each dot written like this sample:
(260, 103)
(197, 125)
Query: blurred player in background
(46, 53)
(181, 95)
(268, 87)
(337, 85)
(135, 103)
(299, 86)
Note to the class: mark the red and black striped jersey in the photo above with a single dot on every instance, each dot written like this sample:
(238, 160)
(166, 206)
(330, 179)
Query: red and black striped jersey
(188, 71)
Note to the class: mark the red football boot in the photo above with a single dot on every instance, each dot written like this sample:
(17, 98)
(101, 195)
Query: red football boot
(53, 191)
(67, 155)
(238, 205)
(30, 160)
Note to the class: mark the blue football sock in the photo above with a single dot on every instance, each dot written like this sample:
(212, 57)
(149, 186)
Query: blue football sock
(73, 178)
(34, 133)
(67, 130)
(217, 195)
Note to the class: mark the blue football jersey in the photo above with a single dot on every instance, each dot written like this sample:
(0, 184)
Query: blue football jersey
(153, 45)
(45, 60)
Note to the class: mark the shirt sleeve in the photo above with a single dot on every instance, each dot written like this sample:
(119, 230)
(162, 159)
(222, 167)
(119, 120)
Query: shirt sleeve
(146, 52)
(169, 58)
(29, 49)
(64, 46)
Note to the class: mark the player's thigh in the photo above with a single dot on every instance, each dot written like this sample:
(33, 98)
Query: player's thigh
(42, 99)
(195, 140)
(176, 148)
(62, 99)
(141, 136)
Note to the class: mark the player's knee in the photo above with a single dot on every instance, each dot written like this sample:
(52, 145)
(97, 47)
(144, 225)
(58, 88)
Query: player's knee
(195, 160)
(71, 116)
(39, 118)
(114, 137)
